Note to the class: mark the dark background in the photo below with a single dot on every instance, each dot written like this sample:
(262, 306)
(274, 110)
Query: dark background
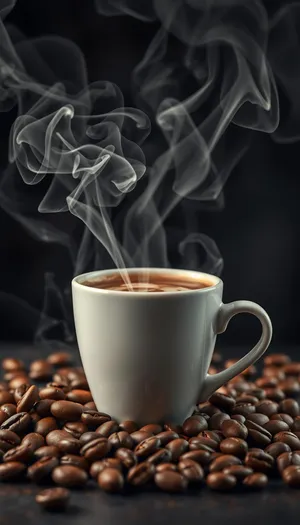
(257, 230)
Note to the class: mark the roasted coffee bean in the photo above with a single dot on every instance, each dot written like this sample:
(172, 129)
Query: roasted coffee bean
(108, 428)
(291, 476)
(258, 435)
(152, 428)
(46, 425)
(215, 435)
(256, 481)
(121, 439)
(239, 417)
(87, 437)
(79, 396)
(290, 387)
(69, 476)
(164, 437)
(147, 447)
(43, 407)
(3, 417)
(18, 381)
(21, 453)
(193, 425)
(203, 440)
(222, 401)
(9, 409)
(141, 474)
(177, 447)
(235, 446)
(10, 364)
(96, 449)
(42, 469)
(232, 428)
(276, 360)
(289, 438)
(223, 461)
(53, 499)
(11, 470)
(208, 409)
(275, 426)
(47, 451)
(286, 459)
(163, 455)
(275, 449)
(275, 394)
(259, 461)
(267, 382)
(76, 461)
(243, 408)
(200, 456)
(54, 393)
(127, 457)
(33, 441)
(18, 423)
(128, 426)
(40, 370)
(174, 428)
(161, 467)
(296, 424)
(66, 410)
(283, 417)
(75, 428)
(191, 470)
(197, 444)
(30, 397)
(93, 418)
(98, 466)
(259, 419)
(8, 440)
(55, 436)
(90, 406)
(216, 421)
(246, 398)
(171, 481)
(60, 359)
(34, 418)
(240, 472)
(69, 445)
(220, 481)
(267, 407)
(289, 406)
(274, 371)
(111, 480)
(292, 369)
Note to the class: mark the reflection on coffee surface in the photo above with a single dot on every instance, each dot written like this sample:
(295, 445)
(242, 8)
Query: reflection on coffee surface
(150, 282)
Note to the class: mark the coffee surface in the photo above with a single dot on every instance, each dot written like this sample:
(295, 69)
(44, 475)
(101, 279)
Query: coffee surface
(152, 282)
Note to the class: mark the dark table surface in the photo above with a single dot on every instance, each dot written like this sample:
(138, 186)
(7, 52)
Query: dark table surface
(275, 505)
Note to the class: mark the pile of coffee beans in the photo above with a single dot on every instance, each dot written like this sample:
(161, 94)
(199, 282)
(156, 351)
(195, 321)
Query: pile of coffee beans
(54, 436)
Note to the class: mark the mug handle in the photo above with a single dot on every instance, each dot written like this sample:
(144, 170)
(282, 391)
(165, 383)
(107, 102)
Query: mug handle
(226, 312)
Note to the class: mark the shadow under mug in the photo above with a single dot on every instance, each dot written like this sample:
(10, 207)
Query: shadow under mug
(146, 355)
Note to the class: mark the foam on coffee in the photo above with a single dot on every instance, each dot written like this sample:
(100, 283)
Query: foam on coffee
(156, 282)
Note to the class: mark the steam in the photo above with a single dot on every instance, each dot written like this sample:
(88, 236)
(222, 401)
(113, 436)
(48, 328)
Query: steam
(207, 81)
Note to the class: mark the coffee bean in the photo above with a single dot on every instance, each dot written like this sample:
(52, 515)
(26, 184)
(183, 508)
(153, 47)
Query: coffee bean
(275, 426)
(275, 449)
(292, 369)
(42, 469)
(66, 410)
(274, 371)
(33, 441)
(79, 396)
(259, 419)
(259, 461)
(93, 418)
(18, 381)
(258, 435)
(98, 466)
(164, 437)
(127, 457)
(88, 436)
(174, 428)
(30, 397)
(289, 406)
(235, 446)
(40, 370)
(267, 407)
(47, 451)
(90, 406)
(6, 397)
(18, 423)
(200, 456)
(55, 436)
(11, 470)
(291, 476)
(162, 455)
(193, 425)
(10, 364)
(108, 428)
(289, 438)
(20, 391)
(60, 359)
(208, 409)
(267, 382)
(96, 449)
(121, 439)
(141, 474)
(53, 499)
(111, 480)
(129, 426)
(215, 435)
(283, 417)
(54, 393)
(290, 387)
(69, 445)
(3, 417)
(277, 360)
(69, 476)
(244, 409)
(147, 447)
(296, 424)
(220, 481)
(161, 467)
(246, 398)
(203, 440)
(222, 401)
(45, 426)
(21, 453)
(8, 440)
(222, 462)
(239, 417)
(75, 428)
(177, 447)
(43, 407)
(216, 421)
(286, 459)
(256, 481)
(152, 428)
(171, 481)
(191, 470)
(238, 471)
(75, 460)
(232, 428)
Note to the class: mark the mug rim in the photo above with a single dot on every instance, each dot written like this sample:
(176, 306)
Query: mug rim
(77, 282)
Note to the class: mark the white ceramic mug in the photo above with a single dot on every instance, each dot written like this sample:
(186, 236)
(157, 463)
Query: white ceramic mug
(146, 355)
